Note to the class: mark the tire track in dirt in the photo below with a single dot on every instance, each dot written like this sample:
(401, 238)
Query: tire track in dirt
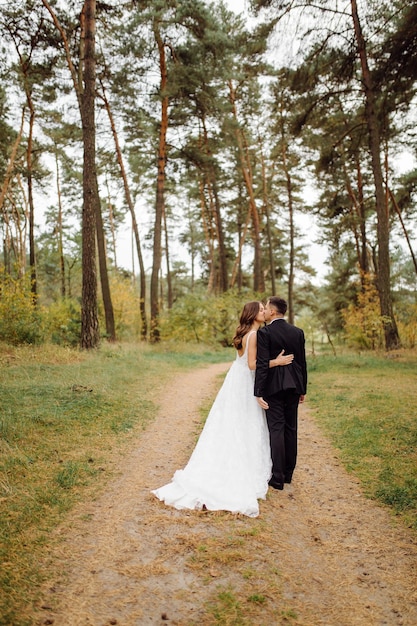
(339, 559)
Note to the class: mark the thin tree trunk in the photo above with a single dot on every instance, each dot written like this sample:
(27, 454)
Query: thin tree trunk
(192, 247)
(206, 220)
(10, 164)
(207, 233)
(407, 238)
(362, 218)
(258, 278)
(211, 177)
(292, 229)
(242, 239)
(160, 191)
(130, 204)
(359, 204)
(268, 223)
(170, 295)
(104, 274)
(111, 223)
(29, 152)
(20, 247)
(216, 281)
(392, 339)
(59, 227)
(358, 233)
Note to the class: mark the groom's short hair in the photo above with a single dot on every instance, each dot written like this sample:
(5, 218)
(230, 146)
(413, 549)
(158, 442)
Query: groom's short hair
(279, 304)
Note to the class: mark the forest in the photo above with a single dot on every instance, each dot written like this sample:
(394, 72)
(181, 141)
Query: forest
(213, 135)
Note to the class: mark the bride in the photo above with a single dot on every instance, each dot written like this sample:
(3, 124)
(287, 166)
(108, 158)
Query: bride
(230, 466)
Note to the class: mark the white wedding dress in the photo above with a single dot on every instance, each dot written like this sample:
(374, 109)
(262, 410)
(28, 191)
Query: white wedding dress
(230, 466)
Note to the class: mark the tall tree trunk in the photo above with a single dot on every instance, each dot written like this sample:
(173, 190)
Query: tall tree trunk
(29, 153)
(170, 295)
(104, 274)
(214, 280)
(358, 222)
(237, 266)
(211, 178)
(289, 187)
(20, 246)
(59, 227)
(89, 328)
(258, 277)
(129, 201)
(407, 238)
(205, 219)
(193, 251)
(359, 205)
(268, 222)
(362, 218)
(101, 239)
(89, 316)
(111, 224)
(160, 190)
(392, 339)
(3, 192)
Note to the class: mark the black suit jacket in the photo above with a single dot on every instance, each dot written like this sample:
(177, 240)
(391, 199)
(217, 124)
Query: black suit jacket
(271, 339)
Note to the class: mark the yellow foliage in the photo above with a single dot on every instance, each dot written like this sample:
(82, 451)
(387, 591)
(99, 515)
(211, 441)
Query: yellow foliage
(125, 300)
(363, 321)
(21, 321)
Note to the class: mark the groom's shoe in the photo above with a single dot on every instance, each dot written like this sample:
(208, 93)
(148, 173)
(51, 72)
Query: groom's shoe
(276, 485)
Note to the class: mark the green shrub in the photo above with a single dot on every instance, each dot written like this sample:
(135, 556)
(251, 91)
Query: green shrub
(21, 321)
(125, 301)
(407, 325)
(363, 322)
(204, 318)
(64, 322)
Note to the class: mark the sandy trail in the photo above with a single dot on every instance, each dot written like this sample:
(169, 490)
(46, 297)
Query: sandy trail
(320, 553)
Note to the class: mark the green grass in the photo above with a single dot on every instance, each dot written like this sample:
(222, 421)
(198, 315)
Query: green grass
(367, 404)
(64, 418)
(227, 610)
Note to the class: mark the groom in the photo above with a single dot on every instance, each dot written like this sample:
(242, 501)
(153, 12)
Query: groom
(280, 389)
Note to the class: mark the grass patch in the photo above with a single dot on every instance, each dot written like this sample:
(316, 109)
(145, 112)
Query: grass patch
(367, 404)
(227, 610)
(65, 416)
(247, 585)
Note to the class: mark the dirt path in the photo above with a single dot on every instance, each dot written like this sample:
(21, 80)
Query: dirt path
(319, 553)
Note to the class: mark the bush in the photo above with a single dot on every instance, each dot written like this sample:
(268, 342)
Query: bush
(363, 322)
(64, 322)
(204, 318)
(125, 300)
(407, 325)
(21, 321)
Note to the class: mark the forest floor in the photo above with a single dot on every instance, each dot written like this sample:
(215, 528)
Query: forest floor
(319, 553)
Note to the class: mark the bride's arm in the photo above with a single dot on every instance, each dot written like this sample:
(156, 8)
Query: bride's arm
(281, 359)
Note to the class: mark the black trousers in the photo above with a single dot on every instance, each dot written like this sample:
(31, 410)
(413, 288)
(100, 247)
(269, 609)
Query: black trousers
(282, 419)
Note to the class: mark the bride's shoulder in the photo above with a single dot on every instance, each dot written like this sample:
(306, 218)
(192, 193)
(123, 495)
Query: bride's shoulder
(249, 334)
(249, 337)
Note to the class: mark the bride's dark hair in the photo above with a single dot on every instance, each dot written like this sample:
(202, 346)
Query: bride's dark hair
(247, 317)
